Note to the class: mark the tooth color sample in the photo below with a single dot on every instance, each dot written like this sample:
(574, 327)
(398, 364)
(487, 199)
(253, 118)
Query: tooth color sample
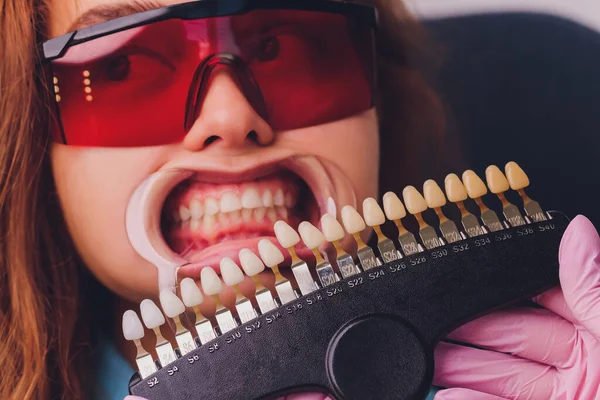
(474, 185)
(455, 190)
(190, 293)
(311, 236)
(132, 326)
(285, 234)
(394, 209)
(251, 263)
(231, 272)
(171, 304)
(434, 197)
(352, 220)
(415, 203)
(496, 180)
(269, 253)
(211, 284)
(372, 213)
(151, 314)
(332, 229)
(517, 178)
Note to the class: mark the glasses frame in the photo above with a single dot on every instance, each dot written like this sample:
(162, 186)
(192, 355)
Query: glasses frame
(55, 48)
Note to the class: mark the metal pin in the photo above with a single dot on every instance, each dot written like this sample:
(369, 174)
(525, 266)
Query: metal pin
(498, 184)
(289, 238)
(333, 232)
(272, 257)
(354, 225)
(476, 189)
(212, 286)
(415, 204)
(374, 218)
(252, 266)
(313, 239)
(435, 199)
(518, 181)
(192, 297)
(233, 276)
(153, 318)
(134, 331)
(395, 211)
(173, 307)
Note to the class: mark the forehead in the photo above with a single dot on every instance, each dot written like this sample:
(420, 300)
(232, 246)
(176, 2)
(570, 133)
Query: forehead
(67, 15)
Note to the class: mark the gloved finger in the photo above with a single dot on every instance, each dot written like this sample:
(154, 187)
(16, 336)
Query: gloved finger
(534, 334)
(464, 394)
(579, 258)
(554, 300)
(494, 373)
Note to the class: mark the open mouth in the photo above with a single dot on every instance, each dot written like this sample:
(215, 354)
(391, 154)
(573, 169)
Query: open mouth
(204, 221)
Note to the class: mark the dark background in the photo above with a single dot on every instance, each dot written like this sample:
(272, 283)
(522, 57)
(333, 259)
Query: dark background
(526, 87)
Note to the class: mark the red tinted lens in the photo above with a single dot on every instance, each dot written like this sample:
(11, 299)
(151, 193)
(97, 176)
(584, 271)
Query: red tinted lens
(132, 88)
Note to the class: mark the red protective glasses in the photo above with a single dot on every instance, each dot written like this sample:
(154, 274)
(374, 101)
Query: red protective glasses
(141, 80)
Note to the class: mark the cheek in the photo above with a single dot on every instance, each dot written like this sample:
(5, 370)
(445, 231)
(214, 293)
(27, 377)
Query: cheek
(94, 191)
(352, 145)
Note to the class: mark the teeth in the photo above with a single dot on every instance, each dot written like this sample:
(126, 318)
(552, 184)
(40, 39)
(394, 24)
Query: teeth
(211, 206)
(279, 199)
(269, 253)
(282, 212)
(171, 304)
(196, 209)
(267, 198)
(251, 263)
(190, 294)
(415, 203)
(372, 212)
(394, 209)
(247, 214)
(209, 222)
(496, 180)
(235, 216)
(211, 284)
(352, 220)
(290, 201)
(434, 197)
(230, 202)
(132, 326)
(455, 190)
(311, 236)
(259, 213)
(231, 272)
(474, 185)
(184, 213)
(251, 198)
(151, 314)
(332, 229)
(222, 218)
(272, 214)
(516, 176)
(285, 234)
(194, 224)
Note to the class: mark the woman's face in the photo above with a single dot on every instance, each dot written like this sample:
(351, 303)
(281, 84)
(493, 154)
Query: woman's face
(243, 179)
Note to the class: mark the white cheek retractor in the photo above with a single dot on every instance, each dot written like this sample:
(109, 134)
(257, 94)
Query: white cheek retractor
(142, 221)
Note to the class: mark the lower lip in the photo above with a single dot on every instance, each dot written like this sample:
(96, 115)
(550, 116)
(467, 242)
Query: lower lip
(212, 256)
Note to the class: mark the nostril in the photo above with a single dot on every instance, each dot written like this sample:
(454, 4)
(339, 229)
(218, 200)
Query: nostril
(253, 136)
(210, 140)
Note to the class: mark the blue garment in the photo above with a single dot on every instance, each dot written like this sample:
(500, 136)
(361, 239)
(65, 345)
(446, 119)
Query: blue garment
(115, 373)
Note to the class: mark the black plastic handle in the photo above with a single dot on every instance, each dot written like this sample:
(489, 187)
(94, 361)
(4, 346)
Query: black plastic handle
(370, 336)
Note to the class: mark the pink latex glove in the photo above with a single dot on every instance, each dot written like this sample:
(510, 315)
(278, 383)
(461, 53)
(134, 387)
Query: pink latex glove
(525, 353)
(303, 396)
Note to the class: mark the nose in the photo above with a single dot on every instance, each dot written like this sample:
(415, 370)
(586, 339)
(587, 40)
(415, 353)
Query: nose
(226, 118)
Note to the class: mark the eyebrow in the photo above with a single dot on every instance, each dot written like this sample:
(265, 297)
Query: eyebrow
(106, 12)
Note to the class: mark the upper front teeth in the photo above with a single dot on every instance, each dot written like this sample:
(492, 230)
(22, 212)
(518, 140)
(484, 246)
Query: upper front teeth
(230, 201)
